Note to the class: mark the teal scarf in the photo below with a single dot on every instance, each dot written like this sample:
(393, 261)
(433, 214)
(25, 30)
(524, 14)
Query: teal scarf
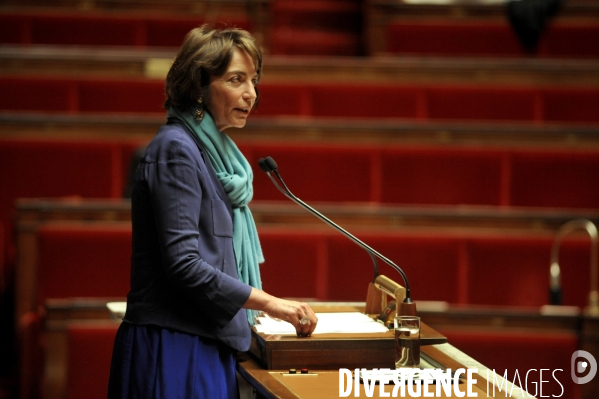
(235, 175)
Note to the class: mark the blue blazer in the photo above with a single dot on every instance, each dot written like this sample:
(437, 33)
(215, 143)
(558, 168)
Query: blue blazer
(183, 269)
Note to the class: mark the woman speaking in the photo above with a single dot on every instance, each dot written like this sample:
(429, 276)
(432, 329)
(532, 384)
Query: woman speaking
(195, 280)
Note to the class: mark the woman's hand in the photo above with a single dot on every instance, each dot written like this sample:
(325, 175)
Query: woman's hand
(299, 314)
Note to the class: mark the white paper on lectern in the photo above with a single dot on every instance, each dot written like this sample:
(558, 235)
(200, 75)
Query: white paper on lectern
(343, 322)
(117, 309)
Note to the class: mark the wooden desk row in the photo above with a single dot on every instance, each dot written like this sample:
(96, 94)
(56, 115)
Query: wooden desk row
(142, 128)
(265, 366)
(154, 63)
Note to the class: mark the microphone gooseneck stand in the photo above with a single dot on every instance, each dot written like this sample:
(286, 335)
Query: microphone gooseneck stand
(407, 307)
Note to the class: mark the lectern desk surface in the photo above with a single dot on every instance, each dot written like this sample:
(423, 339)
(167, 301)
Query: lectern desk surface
(321, 384)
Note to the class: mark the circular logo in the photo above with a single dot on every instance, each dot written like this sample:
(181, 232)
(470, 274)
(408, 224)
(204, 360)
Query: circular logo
(579, 367)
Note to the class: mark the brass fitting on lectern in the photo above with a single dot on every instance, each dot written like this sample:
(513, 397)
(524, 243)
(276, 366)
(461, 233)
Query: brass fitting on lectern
(390, 287)
(405, 307)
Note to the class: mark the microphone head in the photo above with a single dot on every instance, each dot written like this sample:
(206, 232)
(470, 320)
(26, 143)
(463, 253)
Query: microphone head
(267, 164)
(263, 165)
(271, 163)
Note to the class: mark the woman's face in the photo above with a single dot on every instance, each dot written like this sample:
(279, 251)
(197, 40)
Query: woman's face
(232, 95)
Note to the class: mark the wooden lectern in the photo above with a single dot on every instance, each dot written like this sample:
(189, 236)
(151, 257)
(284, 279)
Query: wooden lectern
(272, 356)
(331, 351)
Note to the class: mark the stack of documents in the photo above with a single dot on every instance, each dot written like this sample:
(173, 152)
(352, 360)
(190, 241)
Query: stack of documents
(328, 323)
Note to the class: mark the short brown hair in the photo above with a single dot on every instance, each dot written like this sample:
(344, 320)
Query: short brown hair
(206, 52)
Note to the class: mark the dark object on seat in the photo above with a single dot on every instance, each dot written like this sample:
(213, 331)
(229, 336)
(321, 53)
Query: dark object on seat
(529, 19)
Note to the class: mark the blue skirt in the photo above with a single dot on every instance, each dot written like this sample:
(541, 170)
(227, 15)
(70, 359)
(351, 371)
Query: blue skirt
(152, 362)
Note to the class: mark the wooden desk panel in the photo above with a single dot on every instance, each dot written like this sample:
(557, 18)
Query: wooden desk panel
(325, 383)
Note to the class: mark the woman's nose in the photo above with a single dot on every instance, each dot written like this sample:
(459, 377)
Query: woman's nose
(250, 93)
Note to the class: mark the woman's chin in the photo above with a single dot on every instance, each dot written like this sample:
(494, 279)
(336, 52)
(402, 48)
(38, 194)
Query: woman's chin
(239, 124)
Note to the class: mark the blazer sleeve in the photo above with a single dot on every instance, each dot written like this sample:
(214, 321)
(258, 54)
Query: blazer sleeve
(177, 187)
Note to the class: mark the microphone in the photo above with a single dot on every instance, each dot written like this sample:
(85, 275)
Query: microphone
(407, 307)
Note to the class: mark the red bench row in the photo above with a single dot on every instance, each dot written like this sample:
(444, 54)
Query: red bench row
(425, 102)
(490, 38)
(93, 261)
(90, 350)
(464, 268)
(433, 175)
(101, 29)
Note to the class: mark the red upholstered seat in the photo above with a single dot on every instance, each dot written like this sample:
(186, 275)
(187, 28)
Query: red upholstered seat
(121, 96)
(482, 103)
(284, 99)
(296, 263)
(45, 168)
(11, 29)
(35, 94)
(80, 261)
(431, 175)
(555, 179)
(366, 101)
(457, 102)
(514, 271)
(572, 105)
(446, 38)
(89, 356)
(430, 261)
(570, 40)
(490, 38)
(320, 173)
